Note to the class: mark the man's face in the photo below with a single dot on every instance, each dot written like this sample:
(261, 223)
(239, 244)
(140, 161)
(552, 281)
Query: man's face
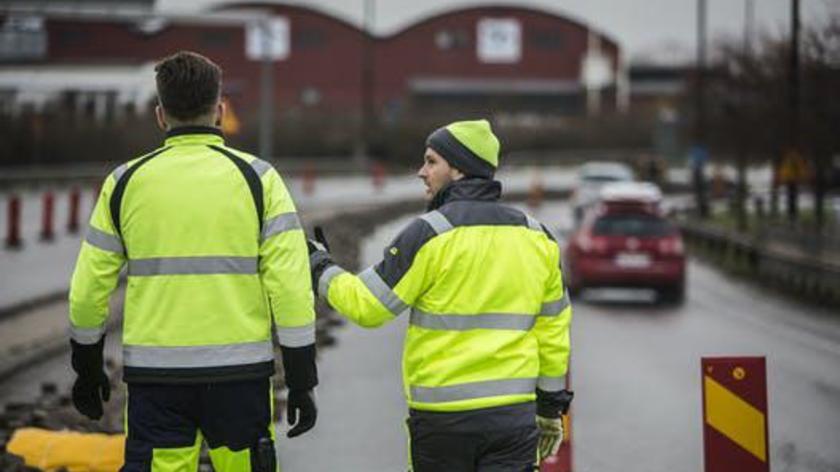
(436, 173)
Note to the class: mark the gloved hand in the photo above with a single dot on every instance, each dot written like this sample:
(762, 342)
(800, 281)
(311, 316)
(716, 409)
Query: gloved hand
(551, 436)
(301, 412)
(551, 406)
(319, 257)
(92, 386)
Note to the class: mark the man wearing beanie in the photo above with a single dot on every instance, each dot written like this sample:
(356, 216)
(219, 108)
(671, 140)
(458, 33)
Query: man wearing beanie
(487, 346)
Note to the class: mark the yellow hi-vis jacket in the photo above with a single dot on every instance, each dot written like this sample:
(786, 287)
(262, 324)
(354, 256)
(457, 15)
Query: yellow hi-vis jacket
(213, 247)
(489, 318)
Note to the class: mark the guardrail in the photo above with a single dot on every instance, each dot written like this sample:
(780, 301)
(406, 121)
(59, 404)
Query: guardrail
(776, 263)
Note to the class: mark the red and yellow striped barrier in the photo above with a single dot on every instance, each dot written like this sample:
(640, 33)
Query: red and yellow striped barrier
(735, 414)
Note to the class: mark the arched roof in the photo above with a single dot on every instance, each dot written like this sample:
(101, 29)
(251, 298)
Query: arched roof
(492, 9)
(290, 8)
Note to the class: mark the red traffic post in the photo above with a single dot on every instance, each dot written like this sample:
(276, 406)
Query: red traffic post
(309, 174)
(73, 211)
(562, 461)
(377, 173)
(735, 414)
(47, 204)
(13, 223)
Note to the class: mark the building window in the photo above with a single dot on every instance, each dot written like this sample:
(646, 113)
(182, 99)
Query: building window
(23, 37)
(547, 39)
(451, 39)
(309, 38)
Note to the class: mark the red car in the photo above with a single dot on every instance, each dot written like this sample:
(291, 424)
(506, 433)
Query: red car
(627, 242)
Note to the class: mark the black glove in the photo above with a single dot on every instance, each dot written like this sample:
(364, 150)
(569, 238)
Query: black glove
(301, 412)
(553, 404)
(92, 386)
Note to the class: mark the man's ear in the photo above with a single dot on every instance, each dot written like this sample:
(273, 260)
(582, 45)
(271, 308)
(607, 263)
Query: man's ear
(161, 118)
(455, 174)
(221, 109)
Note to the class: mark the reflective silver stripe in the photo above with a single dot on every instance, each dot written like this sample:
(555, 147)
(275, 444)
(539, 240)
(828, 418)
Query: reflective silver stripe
(465, 322)
(119, 171)
(197, 356)
(551, 384)
(556, 307)
(298, 336)
(382, 291)
(533, 223)
(86, 335)
(326, 278)
(438, 222)
(260, 166)
(104, 241)
(469, 391)
(193, 265)
(280, 223)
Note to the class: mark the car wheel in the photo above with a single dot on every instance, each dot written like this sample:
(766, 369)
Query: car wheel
(674, 295)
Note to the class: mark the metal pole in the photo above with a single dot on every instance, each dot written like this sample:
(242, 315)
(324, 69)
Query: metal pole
(749, 25)
(793, 111)
(267, 96)
(700, 112)
(794, 73)
(700, 122)
(367, 117)
(741, 190)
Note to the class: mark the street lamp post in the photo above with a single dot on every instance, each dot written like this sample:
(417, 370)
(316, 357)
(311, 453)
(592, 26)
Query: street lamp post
(793, 111)
(267, 95)
(699, 152)
(367, 85)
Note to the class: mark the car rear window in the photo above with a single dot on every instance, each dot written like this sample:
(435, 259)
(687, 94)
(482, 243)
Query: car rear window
(603, 178)
(632, 225)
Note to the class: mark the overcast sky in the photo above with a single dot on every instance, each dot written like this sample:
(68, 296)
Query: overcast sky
(663, 29)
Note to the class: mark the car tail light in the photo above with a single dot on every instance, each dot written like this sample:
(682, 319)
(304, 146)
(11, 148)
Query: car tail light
(671, 246)
(589, 244)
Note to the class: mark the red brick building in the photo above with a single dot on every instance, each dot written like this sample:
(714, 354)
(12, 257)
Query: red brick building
(507, 57)
(504, 58)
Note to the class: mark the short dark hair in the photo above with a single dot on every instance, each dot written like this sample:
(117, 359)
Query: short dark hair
(188, 85)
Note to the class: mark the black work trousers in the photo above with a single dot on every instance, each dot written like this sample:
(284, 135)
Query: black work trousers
(500, 439)
(166, 424)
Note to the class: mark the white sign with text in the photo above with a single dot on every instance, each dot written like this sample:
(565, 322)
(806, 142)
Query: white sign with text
(499, 40)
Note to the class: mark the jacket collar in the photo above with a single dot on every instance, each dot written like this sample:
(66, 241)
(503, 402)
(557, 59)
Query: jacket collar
(475, 189)
(194, 135)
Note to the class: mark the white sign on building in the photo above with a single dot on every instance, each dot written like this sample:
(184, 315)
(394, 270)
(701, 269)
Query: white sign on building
(596, 70)
(268, 39)
(499, 40)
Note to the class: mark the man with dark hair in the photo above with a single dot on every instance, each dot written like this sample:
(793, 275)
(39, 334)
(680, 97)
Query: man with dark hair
(487, 346)
(213, 249)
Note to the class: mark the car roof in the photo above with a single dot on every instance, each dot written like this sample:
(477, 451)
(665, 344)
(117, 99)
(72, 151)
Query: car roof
(631, 192)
